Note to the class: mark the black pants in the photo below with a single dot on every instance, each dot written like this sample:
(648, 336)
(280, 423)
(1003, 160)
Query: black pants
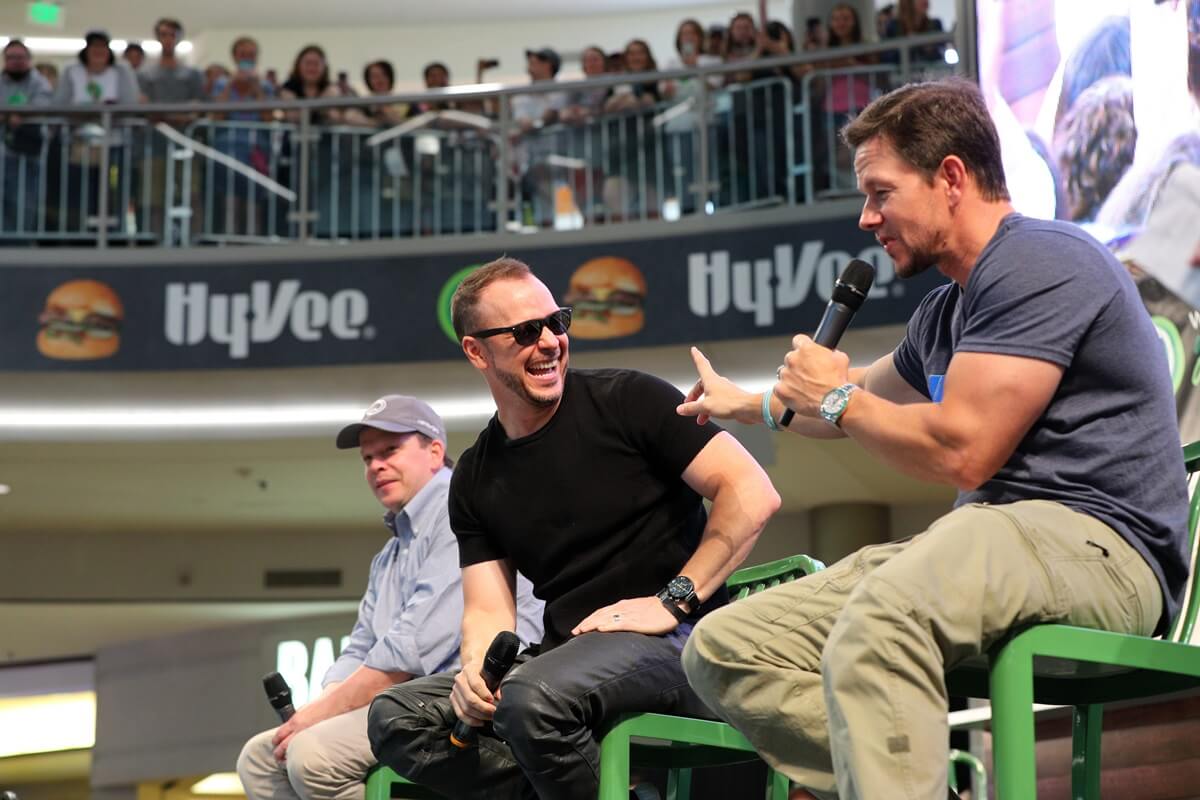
(544, 741)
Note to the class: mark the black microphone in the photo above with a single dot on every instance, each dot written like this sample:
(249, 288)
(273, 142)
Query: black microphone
(498, 661)
(279, 695)
(849, 292)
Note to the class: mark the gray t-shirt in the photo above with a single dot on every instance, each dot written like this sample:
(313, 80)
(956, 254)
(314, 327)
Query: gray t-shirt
(178, 84)
(1108, 444)
(32, 90)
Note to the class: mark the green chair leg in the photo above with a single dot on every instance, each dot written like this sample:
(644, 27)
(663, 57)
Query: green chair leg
(780, 785)
(1011, 682)
(614, 764)
(1086, 722)
(679, 784)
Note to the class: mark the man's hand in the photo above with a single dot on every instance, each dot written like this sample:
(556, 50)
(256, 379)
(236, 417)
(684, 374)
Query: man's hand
(717, 397)
(639, 615)
(809, 372)
(472, 701)
(285, 732)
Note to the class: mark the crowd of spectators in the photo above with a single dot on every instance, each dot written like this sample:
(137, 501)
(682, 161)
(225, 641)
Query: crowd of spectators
(99, 76)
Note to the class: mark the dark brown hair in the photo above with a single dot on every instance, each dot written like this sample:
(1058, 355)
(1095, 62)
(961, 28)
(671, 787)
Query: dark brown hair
(926, 122)
(464, 306)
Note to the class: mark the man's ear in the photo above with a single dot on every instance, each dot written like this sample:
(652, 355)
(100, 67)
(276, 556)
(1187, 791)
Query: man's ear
(437, 453)
(475, 352)
(953, 173)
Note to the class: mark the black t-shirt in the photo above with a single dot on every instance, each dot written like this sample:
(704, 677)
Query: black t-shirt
(592, 507)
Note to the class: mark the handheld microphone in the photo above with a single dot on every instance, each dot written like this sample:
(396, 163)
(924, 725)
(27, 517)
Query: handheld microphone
(8, 796)
(849, 292)
(499, 660)
(279, 695)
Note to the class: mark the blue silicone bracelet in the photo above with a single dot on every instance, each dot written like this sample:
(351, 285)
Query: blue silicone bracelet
(766, 410)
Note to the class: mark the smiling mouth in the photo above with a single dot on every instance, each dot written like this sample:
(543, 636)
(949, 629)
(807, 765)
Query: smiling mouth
(542, 369)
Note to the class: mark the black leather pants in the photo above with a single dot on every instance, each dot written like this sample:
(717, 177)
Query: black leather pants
(544, 741)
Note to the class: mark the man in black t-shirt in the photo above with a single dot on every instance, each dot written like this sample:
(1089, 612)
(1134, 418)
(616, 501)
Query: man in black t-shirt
(591, 485)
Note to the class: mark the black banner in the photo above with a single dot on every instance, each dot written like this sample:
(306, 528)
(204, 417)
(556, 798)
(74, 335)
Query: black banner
(344, 310)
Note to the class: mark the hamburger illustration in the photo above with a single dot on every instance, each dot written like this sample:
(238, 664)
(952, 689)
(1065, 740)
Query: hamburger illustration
(608, 295)
(82, 320)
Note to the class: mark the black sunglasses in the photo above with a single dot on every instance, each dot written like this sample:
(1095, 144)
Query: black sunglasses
(527, 332)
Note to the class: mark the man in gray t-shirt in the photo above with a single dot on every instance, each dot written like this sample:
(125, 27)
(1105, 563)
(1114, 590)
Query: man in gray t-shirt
(1033, 382)
(21, 88)
(168, 80)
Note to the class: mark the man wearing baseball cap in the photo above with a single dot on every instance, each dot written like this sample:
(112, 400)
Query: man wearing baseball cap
(408, 621)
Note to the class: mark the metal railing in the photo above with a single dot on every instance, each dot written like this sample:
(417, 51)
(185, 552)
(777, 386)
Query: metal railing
(119, 175)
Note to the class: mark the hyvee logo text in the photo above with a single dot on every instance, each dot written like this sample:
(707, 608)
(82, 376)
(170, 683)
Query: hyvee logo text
(714, 281)
(194, 314)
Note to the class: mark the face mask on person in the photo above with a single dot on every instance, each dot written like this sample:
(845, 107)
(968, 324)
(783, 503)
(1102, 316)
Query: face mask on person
(687, 49)
(246, 65)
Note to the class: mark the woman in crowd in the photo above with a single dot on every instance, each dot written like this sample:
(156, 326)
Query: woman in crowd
(689, 49)
(585, 102)
(380, 79)
(912, 19)
(625, 97)
(309, 80)
(742, 43)
(97, 77)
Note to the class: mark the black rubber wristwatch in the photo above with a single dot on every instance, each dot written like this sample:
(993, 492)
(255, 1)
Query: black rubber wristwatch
(679, 597)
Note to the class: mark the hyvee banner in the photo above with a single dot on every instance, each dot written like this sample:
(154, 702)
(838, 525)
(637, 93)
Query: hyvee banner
(670, 290)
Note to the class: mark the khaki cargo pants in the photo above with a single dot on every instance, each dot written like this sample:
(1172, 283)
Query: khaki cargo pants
(838, 679)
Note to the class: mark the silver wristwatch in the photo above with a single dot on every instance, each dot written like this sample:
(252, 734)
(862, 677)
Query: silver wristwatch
(834, 403)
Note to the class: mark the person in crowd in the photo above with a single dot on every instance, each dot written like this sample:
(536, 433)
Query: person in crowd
(134, 55)
(380, 79)
(632, 96)
(22, 91)
(308, 80)
(715, 40)
(245, 84)
(1034, 383)
(96, 77)
(212, 74)
(408, 620)
(586, 102)
(436, 75)
(1094, 145)
(48, 71)
(622, 552)
(836, 98)
(243, 139)
(815, 35)
(169, 80)
(912, 19)
(344, 89)
(742, 44)
(883, 18)
(534, 110)
(530, 112)
(689, 54)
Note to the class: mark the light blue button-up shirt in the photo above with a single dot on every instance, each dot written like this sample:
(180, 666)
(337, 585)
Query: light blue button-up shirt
(410, 618)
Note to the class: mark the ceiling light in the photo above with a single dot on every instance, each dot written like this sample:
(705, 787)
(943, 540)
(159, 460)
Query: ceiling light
(5, 489)
(66, 45)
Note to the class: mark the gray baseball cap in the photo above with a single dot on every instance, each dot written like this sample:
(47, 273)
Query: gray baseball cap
(396, 413)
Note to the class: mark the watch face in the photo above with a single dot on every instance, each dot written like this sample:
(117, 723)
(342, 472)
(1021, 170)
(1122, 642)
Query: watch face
(681, 587)
(833, 402)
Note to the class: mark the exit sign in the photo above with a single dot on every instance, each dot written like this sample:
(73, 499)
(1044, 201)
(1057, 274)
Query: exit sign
(43, 13)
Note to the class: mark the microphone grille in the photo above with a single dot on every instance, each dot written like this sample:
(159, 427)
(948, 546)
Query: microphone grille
(853, 284)
(504, 647)
(275, 684)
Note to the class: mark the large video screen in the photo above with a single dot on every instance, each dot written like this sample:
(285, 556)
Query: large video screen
(1098, 107)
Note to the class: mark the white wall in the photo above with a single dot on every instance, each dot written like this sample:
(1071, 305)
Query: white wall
(460, 44)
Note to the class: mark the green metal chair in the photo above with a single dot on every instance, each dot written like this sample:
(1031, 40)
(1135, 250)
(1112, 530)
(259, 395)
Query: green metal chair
(963, 757)
(1084, 669)
(681, 744)
(384, 783)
